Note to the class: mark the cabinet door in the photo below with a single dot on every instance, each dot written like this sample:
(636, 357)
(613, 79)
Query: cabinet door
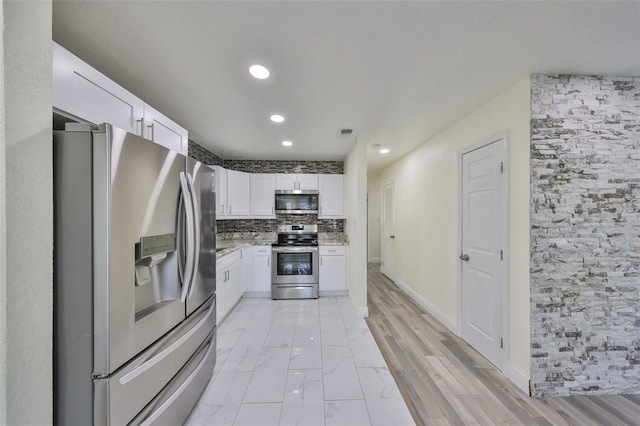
(261, 273)
(164, 131)
(263, 188)
(222, 294)
(82, 91)
(332, 273)
(236, 282)
(331, 196)
(220, 176)
(286, 182)
(308, 182)
(238, 184)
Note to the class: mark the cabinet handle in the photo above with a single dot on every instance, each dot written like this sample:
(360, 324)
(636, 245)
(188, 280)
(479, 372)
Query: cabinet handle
(140, 132)
(268, 261)
(221, 208)
(229, 209)
(320, 261)
(150, 126)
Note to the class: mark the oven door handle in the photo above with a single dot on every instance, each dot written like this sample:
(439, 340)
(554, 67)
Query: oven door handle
(293, 249)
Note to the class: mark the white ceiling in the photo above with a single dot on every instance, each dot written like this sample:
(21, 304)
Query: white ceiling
(397, 72)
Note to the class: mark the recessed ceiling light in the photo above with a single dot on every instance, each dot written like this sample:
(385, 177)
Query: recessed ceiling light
(384, 151)
(259, 72)
(287, 143)
(277, 118)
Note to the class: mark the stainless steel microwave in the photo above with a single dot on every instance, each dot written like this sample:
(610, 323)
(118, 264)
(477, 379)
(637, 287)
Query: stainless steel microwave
(296, 201)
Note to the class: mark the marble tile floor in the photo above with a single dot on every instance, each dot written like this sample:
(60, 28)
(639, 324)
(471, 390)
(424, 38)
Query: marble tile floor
(299, 362)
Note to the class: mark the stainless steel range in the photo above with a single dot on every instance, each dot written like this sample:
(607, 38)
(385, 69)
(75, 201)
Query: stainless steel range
(294, 270)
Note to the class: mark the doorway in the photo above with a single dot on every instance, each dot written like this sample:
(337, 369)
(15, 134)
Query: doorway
(483, 230)
(388, 230)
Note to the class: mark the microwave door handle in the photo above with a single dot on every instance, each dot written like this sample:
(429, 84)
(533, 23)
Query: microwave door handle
(196, 233)
(188, 206)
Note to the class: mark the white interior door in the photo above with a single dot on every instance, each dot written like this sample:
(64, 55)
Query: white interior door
(388, 229)
(483, 219)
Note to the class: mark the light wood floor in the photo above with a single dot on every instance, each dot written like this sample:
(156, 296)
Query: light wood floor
(444, 381)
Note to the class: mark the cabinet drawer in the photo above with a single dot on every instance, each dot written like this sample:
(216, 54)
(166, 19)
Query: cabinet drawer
(333, 250)
(262, 250)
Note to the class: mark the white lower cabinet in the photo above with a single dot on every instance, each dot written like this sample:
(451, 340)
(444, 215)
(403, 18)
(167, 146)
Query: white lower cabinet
(333, 268)
(230, 282)
(260, 280)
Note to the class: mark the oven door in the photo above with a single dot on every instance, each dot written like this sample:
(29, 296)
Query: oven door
(294, 265)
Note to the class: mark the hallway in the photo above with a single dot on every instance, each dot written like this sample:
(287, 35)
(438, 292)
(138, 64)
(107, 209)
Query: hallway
(445, 381)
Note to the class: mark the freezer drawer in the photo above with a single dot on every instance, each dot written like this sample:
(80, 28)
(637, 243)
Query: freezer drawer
(121, 396)
(173, 405)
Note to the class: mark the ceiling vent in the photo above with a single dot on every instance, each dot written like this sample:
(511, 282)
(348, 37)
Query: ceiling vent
(345, 132)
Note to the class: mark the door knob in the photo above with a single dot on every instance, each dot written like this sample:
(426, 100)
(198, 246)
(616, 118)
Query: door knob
(393, 237)
(464, 257)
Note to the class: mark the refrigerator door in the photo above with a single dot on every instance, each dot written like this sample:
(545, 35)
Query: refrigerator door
(121, 396)
(136, 188)
(203, 284)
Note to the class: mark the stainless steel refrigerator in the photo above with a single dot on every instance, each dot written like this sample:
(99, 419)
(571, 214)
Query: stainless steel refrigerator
(134, 287)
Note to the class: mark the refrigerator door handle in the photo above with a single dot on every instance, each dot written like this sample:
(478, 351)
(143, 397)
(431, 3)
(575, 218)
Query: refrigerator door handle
(188, 206)
(196, 234)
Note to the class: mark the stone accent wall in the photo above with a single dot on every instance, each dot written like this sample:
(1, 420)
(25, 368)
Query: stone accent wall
(585, 235)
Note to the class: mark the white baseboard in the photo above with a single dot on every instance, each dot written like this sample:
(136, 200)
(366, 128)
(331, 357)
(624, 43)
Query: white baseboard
(362, 311)
(518, 379)
(428, 306)
(374, 260)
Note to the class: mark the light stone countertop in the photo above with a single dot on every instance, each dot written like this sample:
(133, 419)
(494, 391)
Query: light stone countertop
(332, 239)
(229, 243)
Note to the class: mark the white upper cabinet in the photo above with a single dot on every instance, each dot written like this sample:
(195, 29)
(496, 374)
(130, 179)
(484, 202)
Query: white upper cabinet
(306, 182)
(85, 93)
(82, 91)
(263, 188)
(220, 177)
(331, 197)
(238, 185)
(164, 131)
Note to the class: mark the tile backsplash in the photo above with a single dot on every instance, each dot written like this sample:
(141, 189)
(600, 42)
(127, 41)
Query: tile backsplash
(276, 166)
(202, 154)
(271, 225)
(205, 156)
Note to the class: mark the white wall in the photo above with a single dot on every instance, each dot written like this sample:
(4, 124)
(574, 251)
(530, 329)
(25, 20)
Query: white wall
(27, 203)
(355, 171)
(373, 218)
(3, 239)
(426, 196)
